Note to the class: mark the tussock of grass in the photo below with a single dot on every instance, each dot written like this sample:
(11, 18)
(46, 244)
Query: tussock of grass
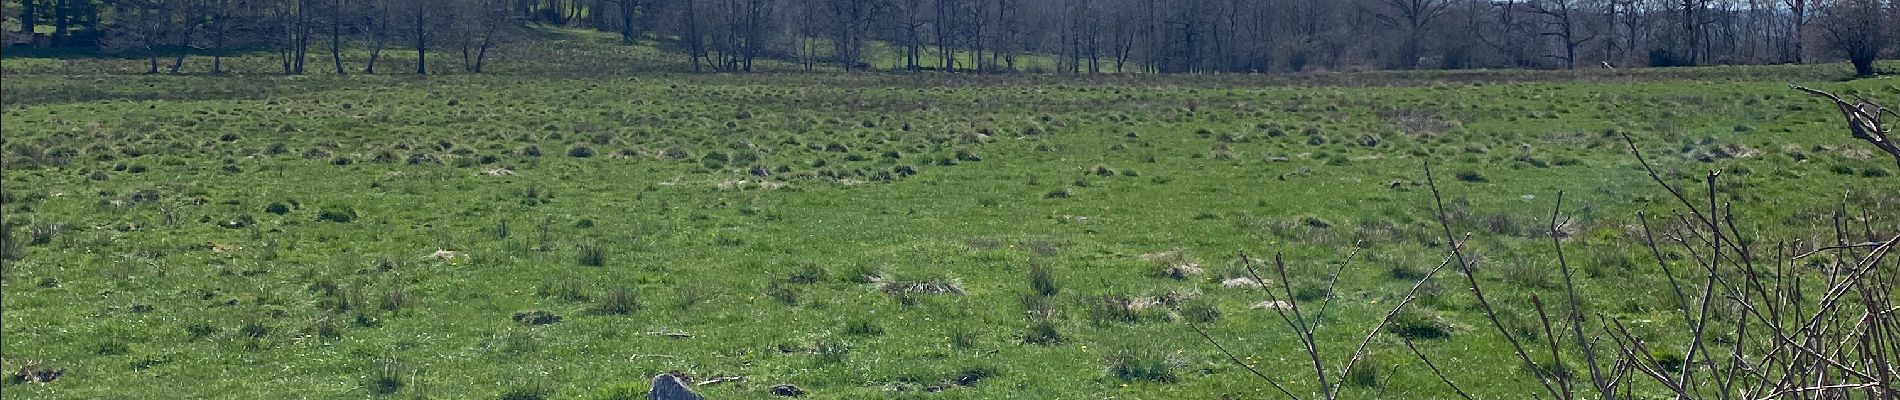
(1145, 365)
(618, 301)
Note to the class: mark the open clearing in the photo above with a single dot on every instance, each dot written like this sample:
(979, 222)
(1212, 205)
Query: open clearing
(858, 236)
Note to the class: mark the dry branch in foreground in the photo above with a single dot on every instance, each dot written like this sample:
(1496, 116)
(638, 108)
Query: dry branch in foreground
(1863, 119)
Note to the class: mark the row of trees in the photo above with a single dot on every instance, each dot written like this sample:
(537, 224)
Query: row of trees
(176, 29)
(1076, 36)
(1246, 35)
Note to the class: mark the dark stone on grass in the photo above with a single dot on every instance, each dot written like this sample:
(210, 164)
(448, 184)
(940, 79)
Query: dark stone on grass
(338, 215)
(787, 390)
(669, 386)
(536, 317)
(971, 377)
(35, 372)
(241, 221)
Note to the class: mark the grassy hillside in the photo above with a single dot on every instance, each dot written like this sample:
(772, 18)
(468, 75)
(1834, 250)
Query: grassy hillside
(871, 235)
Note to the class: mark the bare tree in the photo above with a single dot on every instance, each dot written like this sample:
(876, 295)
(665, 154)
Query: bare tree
(811, 17)
(1184, 35)
(374, 21)
(217, 23)
(1562, 20)
(336, 22)
(420, 33)
(29, 16)
(1512, 34)
(1693, 19)
(1798, 16)
(62, 18)
(185, 17)
(910, 29)
(851, 21)
(1008, 31)
(692, 33)
(947, 21)
(140, 25)
(742, 35)
(1626, 29)
(1124, 35)
(294, 25)
(977, 30)
(758, 26)
(1858, 30)
(426, 19)
(627, 10)
(479, 26)
(1415, 17)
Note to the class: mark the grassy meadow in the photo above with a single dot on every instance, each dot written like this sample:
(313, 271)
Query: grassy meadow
(570, 231)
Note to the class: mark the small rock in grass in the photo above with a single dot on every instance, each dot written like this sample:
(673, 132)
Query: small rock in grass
(1273, 305)
(1234, 283)
(36, 372)
(536, 317)
(670, 386)
(787, 390)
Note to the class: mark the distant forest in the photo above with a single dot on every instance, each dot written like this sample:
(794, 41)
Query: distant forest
(992, 36)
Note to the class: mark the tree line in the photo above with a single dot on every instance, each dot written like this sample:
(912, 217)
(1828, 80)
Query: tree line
(982, 36)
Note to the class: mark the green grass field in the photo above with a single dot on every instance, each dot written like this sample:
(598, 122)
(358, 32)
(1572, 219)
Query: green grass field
(860, 236)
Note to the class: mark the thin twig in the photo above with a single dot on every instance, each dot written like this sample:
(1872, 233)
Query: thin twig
(1305, 330)
(1603, 386)
(1360, 352)
(1556, 354)
(1471, 280)
(1332, 283)
(1841, 247)
(1434, 368)
(1242, 364)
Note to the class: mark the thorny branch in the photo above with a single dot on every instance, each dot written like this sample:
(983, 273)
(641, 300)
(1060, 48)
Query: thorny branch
(1781, 342)
(1863, 119)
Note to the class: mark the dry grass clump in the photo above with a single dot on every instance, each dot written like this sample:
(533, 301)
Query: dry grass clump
(1173, 264)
